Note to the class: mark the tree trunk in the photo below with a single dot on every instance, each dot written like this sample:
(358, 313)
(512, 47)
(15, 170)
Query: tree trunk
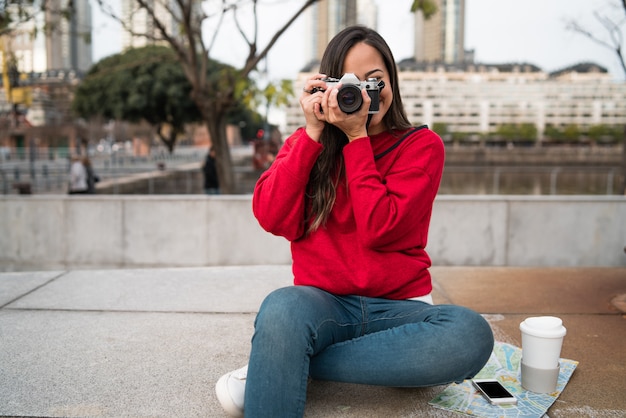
(225, 173)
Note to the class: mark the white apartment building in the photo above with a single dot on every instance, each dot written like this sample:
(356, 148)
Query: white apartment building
(140, 29)
(476, 99)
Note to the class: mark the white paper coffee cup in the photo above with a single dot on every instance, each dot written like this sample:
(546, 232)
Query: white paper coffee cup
(542, 338)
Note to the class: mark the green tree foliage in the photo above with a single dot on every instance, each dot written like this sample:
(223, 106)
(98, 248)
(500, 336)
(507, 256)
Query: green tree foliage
(517, 132)
(552, 133)
(140, 84)
(507, 132)
(194, 47)
(215, 94)
(427, 7)
(571, 133)
(527, 131)
(606, 133)
(148, 84)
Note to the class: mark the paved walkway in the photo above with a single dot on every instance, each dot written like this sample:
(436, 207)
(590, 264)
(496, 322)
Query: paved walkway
(152, 343)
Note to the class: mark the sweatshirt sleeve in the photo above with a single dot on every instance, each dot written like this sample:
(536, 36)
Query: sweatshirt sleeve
(392, 211)
(278, 201)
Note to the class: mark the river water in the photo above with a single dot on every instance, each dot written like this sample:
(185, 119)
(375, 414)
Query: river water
(532, 180)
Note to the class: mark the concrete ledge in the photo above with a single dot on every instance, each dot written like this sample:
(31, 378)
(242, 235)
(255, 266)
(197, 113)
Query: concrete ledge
(62, 232)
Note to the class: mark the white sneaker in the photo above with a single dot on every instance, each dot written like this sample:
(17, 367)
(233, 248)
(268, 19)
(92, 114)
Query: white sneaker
(230, 390)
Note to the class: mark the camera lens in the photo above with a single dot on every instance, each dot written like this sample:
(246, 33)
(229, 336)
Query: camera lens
(349, 98)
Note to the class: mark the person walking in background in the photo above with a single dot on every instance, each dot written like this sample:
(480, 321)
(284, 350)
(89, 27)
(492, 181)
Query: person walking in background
(78, 176)
(92, 178)
(209, 169)
(353, 192)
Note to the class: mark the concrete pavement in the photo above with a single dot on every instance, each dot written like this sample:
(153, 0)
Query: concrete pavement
(152, 342)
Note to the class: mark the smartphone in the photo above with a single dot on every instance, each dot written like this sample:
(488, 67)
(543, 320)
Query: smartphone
(494, 392)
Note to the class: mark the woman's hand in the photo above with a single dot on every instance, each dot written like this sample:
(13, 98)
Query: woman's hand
(354, 125)
(310, 101)
(320, 105)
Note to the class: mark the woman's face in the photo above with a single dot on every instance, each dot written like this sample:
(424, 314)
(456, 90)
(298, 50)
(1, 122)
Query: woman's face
(366, 62)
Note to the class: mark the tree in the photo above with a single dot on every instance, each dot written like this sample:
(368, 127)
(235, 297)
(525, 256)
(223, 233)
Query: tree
(214, 93)
(527, 131)
(213, 97)
(614, 31)
(141, 84)
(606, 134)
(148, 84)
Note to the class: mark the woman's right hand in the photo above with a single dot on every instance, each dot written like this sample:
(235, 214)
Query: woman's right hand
(311, 103)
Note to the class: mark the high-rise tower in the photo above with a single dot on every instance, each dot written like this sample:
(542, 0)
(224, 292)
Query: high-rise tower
(329, 17)
(441, 38)
(63, 46)
(67, 46)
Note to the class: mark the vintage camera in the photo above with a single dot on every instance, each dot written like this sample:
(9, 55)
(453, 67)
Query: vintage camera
(349, 96)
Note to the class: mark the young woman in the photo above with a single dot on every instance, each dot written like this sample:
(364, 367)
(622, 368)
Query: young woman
(353, 193)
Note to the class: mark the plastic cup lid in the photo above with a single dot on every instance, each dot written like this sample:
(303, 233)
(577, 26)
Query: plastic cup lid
(544, 326)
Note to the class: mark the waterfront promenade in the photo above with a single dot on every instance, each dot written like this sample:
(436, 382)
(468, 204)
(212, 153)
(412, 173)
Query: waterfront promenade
(152, 342)
(134, 306)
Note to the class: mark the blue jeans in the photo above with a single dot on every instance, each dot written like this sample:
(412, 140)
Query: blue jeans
(303, 331)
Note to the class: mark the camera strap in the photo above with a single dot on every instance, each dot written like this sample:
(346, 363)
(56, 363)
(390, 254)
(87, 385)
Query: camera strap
(399, 141)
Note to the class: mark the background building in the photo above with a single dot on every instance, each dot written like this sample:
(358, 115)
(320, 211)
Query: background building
(142, 25)
(441, 38)
(63, 45)
(68, 46)
(326, 18)
(476, 99)
(442, 87)
(42, 60)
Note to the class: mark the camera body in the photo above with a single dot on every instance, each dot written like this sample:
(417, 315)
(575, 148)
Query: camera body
(349, 96)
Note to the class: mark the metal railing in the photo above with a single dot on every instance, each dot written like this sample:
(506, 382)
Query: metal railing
(47, 172)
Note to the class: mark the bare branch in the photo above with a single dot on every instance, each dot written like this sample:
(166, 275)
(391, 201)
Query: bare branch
(574, 26)
(106, 8)
(616, 40)
(213, 100)
(252, 44)
(219, 25)
(239, 28)
(15, 14)
(252, 61)
(160, 26)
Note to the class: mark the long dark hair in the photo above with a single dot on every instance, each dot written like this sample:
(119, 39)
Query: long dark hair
(328, 169)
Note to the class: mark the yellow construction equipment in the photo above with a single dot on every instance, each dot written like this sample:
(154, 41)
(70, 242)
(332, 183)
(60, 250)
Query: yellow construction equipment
(14, 94)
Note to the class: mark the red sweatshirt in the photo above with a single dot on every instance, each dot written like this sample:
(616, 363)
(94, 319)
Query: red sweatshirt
(374, 239)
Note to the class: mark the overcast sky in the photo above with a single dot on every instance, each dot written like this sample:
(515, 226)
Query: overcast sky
(498, 30)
